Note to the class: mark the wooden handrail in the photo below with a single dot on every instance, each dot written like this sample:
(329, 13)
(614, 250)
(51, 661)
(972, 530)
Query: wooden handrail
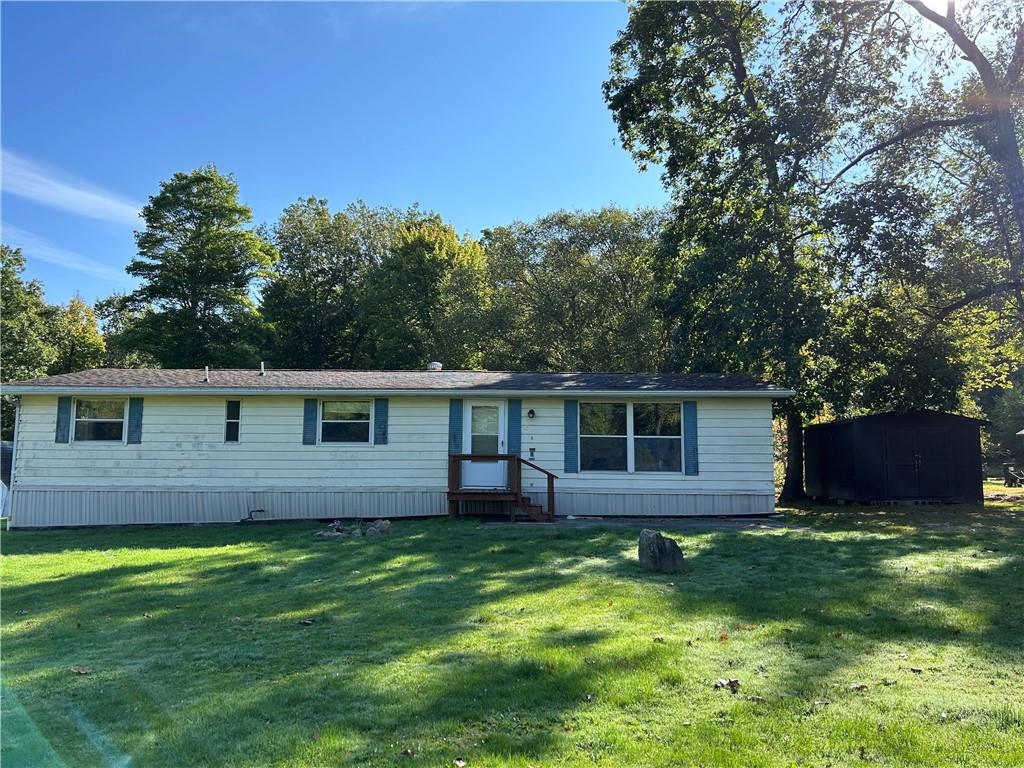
(514, 482)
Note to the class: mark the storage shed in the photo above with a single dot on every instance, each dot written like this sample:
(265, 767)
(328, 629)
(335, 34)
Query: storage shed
(896, 457)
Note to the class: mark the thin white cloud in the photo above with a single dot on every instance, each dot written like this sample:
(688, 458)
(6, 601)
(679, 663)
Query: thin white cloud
(24, 178)
(34, 247)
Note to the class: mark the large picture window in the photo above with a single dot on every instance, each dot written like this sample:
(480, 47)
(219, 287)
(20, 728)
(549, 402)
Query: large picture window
(345, 421)
(100, 420)
(631, 437)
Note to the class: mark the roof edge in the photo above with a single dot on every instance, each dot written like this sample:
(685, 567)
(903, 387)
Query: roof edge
(481, 392)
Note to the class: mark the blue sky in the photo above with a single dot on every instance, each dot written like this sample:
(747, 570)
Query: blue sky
(484, 112)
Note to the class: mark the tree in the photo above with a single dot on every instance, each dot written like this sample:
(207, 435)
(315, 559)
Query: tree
(26, 347)
(75, 337)
(117, 320)
(196, 262)
(744, 110)
(964, 126)
(426, 299)
(315, 296)
(576, 291)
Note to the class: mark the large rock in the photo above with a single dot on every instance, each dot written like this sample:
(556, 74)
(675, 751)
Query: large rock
(658, 553)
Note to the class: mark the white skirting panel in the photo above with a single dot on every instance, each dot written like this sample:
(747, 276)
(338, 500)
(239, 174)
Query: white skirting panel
(658, 504)
(49, 507)
(42, 508)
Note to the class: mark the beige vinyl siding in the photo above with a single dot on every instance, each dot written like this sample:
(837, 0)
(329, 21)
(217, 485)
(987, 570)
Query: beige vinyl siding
(183, 444)
(734, 445)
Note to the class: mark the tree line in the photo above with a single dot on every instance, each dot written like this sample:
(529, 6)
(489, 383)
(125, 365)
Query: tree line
(847, 218)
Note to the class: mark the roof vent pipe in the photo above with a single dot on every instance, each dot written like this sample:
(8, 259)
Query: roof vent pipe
(206, 374)
(263, 370)
(435, 366)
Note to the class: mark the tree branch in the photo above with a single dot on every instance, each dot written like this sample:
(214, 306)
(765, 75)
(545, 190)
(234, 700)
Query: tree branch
(908, 133)
(1013, 71)
(982, 293)
(961, 40)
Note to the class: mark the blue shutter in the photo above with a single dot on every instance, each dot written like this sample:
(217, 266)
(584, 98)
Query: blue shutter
(63, 420)
(454, 426)
(572, 436)
(515, 426)
(134, 420)
(690, 437)
(309, 409)
(380, 421)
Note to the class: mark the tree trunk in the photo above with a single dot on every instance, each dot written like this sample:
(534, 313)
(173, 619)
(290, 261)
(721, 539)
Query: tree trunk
(793, 486)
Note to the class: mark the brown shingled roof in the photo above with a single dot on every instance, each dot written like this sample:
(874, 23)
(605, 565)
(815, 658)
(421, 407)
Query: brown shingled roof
(312, 380)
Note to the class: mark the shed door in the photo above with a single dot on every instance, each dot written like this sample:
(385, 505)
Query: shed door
(900, 464)
(917, 464)
(933, 466)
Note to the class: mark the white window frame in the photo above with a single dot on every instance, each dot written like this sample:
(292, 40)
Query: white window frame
(630, 440)
(228, 421)
(124, 420)
(320, 420)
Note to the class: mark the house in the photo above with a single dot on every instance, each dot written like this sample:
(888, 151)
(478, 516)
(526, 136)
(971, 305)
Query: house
(896, 457)
(112, 447)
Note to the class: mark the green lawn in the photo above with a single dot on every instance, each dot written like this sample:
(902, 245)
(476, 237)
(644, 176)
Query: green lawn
(518, 646)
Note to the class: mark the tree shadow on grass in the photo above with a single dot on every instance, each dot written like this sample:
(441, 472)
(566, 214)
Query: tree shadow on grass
(451, 639)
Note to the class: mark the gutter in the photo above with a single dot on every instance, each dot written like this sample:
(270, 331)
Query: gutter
(470, 392)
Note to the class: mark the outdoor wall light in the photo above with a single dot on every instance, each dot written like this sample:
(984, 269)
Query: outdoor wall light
(531, 413)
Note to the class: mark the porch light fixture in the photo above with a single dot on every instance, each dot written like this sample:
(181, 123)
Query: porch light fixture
(531, 413)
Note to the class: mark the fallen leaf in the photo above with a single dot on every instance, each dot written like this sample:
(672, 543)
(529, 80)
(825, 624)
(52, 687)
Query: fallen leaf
(551, 666)
(882, 728)
(81, 670)
(408, 752)
(731, 683)
(566, 727)
(862, 751)
(146, 616)
(723, 637)
(589, 697)
(305, 622)
(916, 670)
(659, 639)
(859, 687)
(689, 643)
(316, 734)
(756, 698)
(458, 762)
(888, 682)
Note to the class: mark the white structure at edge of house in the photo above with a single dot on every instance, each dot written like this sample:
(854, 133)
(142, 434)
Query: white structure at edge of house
(114, 447)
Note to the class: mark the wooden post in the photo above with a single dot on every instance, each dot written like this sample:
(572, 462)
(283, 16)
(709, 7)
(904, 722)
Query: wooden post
(551, 496)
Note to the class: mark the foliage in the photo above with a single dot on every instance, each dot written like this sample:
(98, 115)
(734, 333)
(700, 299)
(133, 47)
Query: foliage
(197, 262)
(76, 338)
(117, 319)
(520, 645)
(26, 344)
(426, 299)
(315, 296)
(576, 291)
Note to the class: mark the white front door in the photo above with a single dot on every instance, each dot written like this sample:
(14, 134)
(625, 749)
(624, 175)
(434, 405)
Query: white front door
(484, 433)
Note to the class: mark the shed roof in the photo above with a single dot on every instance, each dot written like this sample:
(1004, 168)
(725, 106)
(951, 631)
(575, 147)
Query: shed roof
(194, 380)
(891, 414)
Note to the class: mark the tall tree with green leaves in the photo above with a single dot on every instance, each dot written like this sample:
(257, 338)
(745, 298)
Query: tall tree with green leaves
(576, 291)
(26, 345)
(197, 262)
(314, 297)
(426, 299)
(76, 337)
(745, 109)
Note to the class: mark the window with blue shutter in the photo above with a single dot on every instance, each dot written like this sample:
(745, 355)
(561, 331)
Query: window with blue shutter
(455, 426)
(380, 421)
(572, 441)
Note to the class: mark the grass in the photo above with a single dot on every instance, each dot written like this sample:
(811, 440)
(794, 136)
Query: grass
(517, 645)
